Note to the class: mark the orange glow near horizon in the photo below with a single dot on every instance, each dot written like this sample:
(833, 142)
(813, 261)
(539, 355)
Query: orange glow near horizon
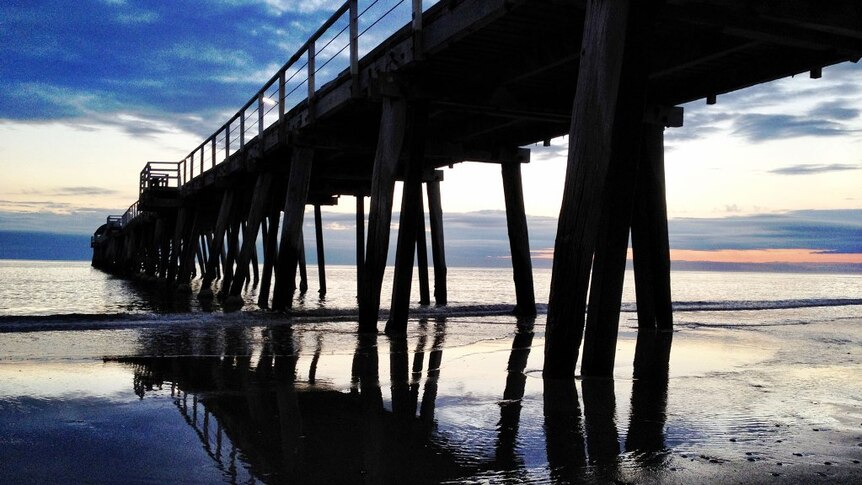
(746, 256)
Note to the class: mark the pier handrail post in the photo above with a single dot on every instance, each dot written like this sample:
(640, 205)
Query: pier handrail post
(213, 151)
(227, 142)
(202, 158)
(191, 164)
(311, 72)
(281, 95)
(242, 129)
(260, 116)
(417, 29)
(354, 45)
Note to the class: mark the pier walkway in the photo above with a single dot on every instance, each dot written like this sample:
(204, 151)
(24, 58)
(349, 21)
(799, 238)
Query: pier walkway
(470, 80)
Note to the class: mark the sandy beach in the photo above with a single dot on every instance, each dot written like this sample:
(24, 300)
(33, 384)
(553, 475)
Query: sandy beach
(459, 400)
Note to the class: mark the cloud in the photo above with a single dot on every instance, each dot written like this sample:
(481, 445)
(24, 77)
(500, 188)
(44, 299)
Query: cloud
(761, 127)
(72, 192)
(829, 231)
(814, 168)
(73, 221)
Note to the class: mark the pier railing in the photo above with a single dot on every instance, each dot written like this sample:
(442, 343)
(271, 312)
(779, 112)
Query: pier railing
(159, 175)
(331, 51)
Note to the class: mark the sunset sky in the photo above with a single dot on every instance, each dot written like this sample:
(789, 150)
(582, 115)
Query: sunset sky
(91, 92)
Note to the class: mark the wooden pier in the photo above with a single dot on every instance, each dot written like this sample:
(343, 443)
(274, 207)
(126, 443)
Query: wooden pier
(471, 80)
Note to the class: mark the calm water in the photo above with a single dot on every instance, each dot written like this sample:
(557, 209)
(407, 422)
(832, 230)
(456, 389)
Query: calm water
(46, 290)
(764, 386)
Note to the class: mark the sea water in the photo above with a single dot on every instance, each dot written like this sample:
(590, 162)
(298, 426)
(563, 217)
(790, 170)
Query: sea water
(109, 380)
(76, 292)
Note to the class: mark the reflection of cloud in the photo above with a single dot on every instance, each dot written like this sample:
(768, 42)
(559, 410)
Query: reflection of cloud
(814, 168)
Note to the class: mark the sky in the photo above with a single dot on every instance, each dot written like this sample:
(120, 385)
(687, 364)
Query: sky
(91, 92)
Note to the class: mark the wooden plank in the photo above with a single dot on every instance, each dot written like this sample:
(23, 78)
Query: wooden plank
(589, 153)
(519, 240)
(390, 138)
(438, 247)
(321, 257)
(409, 221)
(291, 231)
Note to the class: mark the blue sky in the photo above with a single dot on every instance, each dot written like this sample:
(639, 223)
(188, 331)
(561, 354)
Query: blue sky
(93, 90)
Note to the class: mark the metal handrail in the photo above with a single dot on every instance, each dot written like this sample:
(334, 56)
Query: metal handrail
(232, 134)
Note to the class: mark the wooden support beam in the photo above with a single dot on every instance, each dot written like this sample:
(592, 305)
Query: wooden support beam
(605, 26)
(321, 257)
(360, 244)
(438, 248)
(519, 240)
(174, 261)
(217, 243)
(255, 264)
(609, 261)
(422, 256)
(269, 257)
(291, 231)
(259, 202)
(187, 261)
(650, 249)
(390, 138)
(409, 221)
(303, 270)
(232, 250)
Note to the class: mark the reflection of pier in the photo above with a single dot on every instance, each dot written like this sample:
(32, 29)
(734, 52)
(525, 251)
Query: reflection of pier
(257, 414)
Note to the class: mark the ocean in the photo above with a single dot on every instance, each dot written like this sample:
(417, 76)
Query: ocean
(109, 380)
(44, 291)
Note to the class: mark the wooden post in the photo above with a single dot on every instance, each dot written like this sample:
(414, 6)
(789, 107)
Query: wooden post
(255, 270)
(650, 249)
(408, 223)
(609, 262)
(259, 200)
(422, 256)
(269, 258)
(438, 251)
(232, 249)
(321, 258)
(217, 243)
(519, 240)
(173, 265)
(360, 243)
(187, 262)
(390, 138)
(291, 231)
(303, 270)
(603, 42)
(353, 19)
(651, 254)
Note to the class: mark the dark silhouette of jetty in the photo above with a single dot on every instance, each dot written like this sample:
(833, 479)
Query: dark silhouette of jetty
(470, 80)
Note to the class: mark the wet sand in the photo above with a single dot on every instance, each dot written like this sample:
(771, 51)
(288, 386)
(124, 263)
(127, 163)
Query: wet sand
(459, 400)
